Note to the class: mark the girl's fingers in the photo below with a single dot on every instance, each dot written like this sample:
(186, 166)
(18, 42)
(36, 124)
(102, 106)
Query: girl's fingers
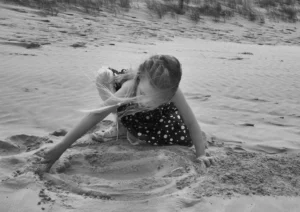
(217, 159)
(202, 164)
(212, 161)
(207, 162)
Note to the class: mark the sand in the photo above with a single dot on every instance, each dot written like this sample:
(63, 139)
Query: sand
(244, 92)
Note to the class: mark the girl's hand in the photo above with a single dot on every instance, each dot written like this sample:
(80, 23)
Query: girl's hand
(207, 160)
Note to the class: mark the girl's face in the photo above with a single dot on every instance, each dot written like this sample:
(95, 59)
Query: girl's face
(146, 93)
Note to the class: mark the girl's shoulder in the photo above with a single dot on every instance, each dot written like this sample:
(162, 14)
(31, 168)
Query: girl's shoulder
(128, 83)
(126, 87)
(121, 77)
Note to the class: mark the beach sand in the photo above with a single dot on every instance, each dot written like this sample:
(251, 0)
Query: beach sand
(243, 90)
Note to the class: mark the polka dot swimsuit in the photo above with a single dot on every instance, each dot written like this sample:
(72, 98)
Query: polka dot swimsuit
(161, 126)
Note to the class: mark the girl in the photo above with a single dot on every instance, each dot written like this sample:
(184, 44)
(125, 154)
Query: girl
(149, 104)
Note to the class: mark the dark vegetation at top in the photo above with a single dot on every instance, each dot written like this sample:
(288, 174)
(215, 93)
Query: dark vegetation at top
(53, 7)
(253, 10)
(220, 10)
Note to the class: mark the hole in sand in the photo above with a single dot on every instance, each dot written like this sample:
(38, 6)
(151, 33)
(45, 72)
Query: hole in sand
(123, 166)
(123, 172)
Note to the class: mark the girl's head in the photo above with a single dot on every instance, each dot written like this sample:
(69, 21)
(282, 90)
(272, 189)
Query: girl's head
(157, 80)
(154, 83)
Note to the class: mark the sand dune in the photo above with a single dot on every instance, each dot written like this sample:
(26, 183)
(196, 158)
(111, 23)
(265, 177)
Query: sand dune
(245, 97)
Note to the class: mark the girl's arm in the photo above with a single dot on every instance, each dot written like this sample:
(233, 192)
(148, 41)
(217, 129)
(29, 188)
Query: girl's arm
(190, 121)
(84, 126)
(194, 128)
(78, 131)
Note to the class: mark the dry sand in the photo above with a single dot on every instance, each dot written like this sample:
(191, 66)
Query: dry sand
(245, 97)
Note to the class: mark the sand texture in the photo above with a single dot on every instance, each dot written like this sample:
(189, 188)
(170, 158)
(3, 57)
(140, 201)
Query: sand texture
(116, 176)
(244, 91)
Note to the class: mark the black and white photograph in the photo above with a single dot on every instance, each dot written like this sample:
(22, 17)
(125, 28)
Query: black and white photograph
(149, 105)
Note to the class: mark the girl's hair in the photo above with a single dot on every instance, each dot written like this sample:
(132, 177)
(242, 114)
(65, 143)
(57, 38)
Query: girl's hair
(164, 74)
